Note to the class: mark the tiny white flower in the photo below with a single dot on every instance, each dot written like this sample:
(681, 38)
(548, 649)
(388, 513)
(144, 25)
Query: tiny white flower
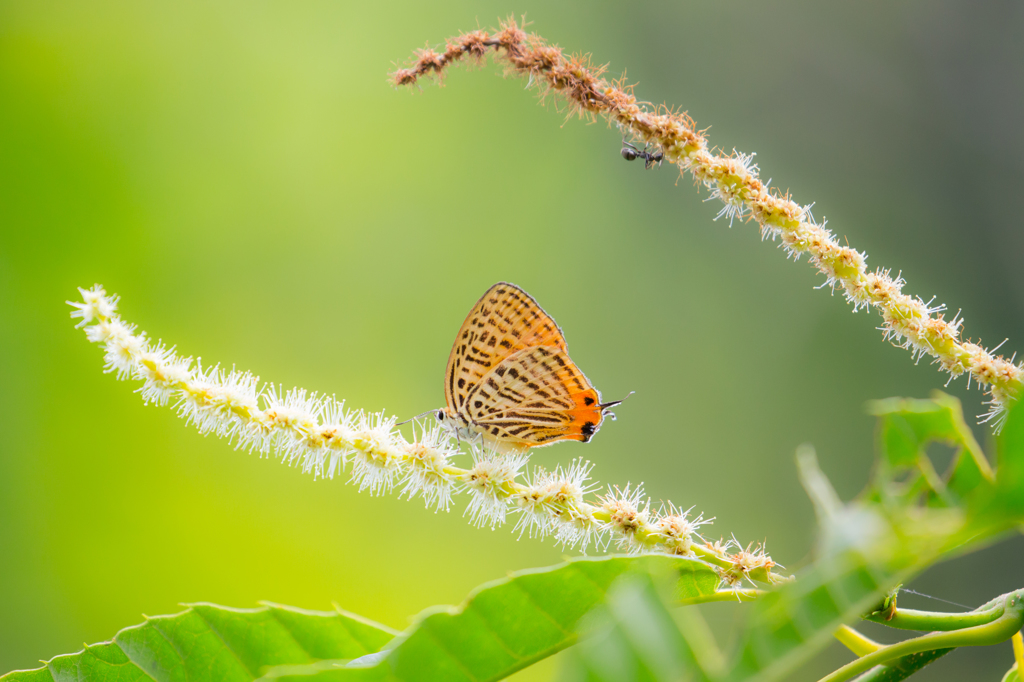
(572, 484)
(550, 503)
(334, 438)
(628, 513)
(535, 503)
(489, 484)
(376, 457)
(95, 305)
(743, 562)
(234, 401)
(428, 458)
(375, 470)
(123, 348)
(162, 372)
(101, 331)
(580, 530)
(678, 530)
(297, 435)
(201, 398)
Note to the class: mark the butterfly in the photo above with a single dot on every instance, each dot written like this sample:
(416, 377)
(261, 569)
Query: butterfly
(510, 381)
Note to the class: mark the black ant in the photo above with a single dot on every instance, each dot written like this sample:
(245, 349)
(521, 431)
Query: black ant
(629, 153)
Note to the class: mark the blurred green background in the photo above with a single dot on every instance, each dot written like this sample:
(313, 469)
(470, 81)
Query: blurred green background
(243, 175)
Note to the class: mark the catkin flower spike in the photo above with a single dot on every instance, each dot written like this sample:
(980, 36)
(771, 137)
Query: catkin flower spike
(907, 321)
(318, 435)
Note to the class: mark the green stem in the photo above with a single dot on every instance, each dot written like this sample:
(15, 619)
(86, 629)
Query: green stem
(903, 668)
(999, 630)
(856, 642)
(723, 595)
(709, 556)
(931, 621)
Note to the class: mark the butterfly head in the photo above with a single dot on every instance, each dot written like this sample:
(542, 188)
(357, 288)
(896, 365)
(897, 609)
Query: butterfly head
(454, 422)
(457, 425)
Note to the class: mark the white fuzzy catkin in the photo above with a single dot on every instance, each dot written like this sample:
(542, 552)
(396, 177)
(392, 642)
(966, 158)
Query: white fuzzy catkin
(317, 434)
(733, 179)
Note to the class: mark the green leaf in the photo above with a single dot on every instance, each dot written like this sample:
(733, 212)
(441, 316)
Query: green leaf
(1012, 675)
(207, 642)
(905, 429)
(502, 627)
(636, 639)
(1010, 476)
(509, 624)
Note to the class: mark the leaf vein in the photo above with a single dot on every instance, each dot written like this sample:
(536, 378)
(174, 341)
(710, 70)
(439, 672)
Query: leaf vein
(540, 607)
(167, 639)
(238, 658)
(351, 635)
(273, 614)
(441, 646)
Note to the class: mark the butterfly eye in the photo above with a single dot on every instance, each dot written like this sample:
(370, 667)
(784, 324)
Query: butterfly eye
(440, 415)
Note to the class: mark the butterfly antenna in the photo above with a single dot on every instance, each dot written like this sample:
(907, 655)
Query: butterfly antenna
(616, 402)
(604, 406)
(422, 414)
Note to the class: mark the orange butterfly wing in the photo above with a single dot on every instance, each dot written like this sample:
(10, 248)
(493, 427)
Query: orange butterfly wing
(536, 396)
(504, 321)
